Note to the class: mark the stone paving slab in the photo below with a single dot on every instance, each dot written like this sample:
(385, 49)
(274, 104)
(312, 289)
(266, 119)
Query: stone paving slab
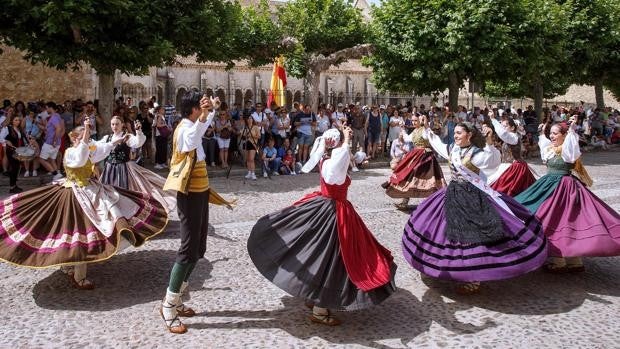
(240, 309)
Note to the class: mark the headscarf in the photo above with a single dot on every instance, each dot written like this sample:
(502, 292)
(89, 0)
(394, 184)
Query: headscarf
(328, 140)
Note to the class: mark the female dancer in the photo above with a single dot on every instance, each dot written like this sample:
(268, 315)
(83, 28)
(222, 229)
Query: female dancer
(576, 222)
(319, 249)
(76, 220)
(513, 175)
(120, 172)
(468, 232)
(418, 174)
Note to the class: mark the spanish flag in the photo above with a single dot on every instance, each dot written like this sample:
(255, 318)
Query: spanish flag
(277, 91)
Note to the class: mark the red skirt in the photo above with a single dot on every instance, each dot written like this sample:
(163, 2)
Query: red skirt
(417, 175)
(515, 179)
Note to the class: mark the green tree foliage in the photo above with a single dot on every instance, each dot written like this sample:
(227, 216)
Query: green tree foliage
(539, 54)
(326, 33)
(430, 45)
(133, 35)
(594, 32)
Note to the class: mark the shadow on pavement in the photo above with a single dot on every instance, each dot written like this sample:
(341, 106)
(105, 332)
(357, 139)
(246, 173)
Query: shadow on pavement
(540, 293)
(173, 231)
(396, 322)
(122, 281)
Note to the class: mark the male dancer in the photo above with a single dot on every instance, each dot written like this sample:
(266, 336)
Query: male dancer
(188, 177)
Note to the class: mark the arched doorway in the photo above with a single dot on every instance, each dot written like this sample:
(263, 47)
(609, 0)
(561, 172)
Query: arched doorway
(297, 96)
(221, 95)
(209, 92)
(180, 93)
(340, 98)
(238, 97)
(248, 97)
(289, 100)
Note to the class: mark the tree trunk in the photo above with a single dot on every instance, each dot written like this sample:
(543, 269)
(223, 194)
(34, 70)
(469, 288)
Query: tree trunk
(453, 91)
(538, 99)
(313, 80)
(598, 91)
(106, 101)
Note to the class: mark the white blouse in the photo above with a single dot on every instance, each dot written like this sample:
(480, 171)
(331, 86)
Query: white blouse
(76, 157)
(334, 169)
(134, 141)
(508, 137)
(488, 160)
(570, 147)
(190, 136)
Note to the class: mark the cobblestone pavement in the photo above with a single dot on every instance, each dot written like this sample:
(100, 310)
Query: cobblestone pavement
(239, 308)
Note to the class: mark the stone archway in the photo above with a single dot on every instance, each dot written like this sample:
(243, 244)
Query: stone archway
(289, 100)
(180, 93)
(238, 98)
(248, 97)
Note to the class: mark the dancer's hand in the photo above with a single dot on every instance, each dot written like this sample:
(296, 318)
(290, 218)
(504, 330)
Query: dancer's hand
(348, 132)
(488, 134)
(87, 123)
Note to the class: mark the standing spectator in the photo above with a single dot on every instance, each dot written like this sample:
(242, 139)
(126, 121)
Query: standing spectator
(396, 124)
(13, 136)
(450, 125)
(33, 134)
(339, 118)
(282, 126)
(96, 120)
(162, 134)
(170, 113)
(323, 122)
(146, 119)
(374, 132)
(67, 115)
(261, 119)
(305, 122)
(54, 130)
(251, 134)
(209, 143)
(223, 132)
(359, 124)
(271, 161)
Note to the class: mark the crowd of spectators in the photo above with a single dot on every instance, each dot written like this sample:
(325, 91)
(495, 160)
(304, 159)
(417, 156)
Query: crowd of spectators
(277, 139)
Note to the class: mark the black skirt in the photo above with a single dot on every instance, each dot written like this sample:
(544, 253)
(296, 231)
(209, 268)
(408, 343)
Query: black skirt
(115, 174)
(298, 250)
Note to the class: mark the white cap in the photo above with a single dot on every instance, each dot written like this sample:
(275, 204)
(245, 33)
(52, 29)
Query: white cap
(340, 105)
(382, 106)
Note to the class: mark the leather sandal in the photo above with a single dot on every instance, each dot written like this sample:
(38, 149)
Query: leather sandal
(173, 325)
(185, 311)
(468, 288)
(555, 269)
(83, 284)
(327, 319)
(575, 268)
(309, 304)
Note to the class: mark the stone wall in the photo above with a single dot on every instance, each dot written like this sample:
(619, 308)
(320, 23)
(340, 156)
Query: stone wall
(20, 80)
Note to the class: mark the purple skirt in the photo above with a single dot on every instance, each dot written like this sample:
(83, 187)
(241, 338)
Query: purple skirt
(427, 248)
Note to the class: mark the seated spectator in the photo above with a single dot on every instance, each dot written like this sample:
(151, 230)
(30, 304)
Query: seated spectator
(271, 161)
(615, 137)
(358, 160)
(398, 150)
(288, 163)
(598, 141)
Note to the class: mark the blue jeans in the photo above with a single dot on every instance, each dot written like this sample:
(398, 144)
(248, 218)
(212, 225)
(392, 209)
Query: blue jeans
(272, 165)
(304, 139)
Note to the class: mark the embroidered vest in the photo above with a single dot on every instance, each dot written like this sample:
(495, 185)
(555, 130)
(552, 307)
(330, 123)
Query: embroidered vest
(186, 173)
(465, 160)
(120, 153)
(79, 176)
(418, 139)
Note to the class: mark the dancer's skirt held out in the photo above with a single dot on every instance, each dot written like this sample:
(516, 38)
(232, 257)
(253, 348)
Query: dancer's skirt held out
(512, 179)
(131, 176)
(310, 250)
(460, 233)
(576, 222)
(63, 225)
(417, 175)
